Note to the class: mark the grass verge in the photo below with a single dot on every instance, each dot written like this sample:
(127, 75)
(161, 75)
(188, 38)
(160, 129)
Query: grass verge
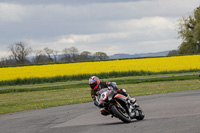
(44, 98)
(82, 84)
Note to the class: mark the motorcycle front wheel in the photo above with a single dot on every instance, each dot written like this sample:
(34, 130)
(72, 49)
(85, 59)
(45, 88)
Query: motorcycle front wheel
(141, 115)
(119, 114)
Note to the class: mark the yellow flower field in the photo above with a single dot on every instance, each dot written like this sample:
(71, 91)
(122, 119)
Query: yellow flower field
(176, 63)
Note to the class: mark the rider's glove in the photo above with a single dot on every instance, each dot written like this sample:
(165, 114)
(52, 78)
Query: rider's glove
(113, 85)
(96, 103)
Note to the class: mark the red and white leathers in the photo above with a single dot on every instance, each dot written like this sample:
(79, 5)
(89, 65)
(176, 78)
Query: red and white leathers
(104, 84)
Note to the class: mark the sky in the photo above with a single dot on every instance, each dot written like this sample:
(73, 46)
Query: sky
(110, 26)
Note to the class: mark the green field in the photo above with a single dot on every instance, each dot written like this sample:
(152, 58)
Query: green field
(29, 97)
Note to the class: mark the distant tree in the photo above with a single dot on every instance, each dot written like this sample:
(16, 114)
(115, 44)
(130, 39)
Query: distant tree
(189, 32)
(74, 53)
(173, 53)
(40, 57)
(100, 56)
(85, 55)
(4, 61)
(51, 54)
(55, 55)
(19, 52)
(66, 55)
(70, 54)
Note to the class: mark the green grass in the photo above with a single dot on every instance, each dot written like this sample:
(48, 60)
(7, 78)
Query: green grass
(161, 87)
(48, 88)
(30, 98)
(81, 84)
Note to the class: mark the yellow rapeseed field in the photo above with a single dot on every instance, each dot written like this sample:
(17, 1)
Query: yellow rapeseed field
(176, 63)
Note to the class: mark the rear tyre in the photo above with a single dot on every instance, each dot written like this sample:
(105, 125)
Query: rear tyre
(118, 114)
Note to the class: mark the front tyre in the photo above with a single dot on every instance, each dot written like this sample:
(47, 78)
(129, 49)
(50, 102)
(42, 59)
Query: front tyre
(118, 114)
(141, 115)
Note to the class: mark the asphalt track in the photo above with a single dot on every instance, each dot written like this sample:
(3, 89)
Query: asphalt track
(177, 112)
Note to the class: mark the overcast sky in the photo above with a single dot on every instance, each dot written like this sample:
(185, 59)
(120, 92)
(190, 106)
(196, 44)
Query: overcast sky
(111, 26)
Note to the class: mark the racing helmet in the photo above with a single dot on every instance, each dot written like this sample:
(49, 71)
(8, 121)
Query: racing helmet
(94, 82)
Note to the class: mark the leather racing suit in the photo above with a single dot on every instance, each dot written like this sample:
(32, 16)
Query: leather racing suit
(102, 85)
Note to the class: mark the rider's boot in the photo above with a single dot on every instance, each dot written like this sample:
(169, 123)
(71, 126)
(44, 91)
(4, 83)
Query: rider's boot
(137, 113)
(132, 100)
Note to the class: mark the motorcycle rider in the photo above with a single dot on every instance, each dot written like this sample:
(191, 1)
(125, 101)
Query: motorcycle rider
(96, 85)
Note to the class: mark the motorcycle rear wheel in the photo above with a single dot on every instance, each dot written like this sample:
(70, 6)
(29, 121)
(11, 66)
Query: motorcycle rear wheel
(119, 115)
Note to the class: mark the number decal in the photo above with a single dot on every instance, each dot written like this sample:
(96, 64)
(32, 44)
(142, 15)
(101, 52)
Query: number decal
(103, 96)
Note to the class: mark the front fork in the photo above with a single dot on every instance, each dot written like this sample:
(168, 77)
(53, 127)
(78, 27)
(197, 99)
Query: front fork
(128, 109)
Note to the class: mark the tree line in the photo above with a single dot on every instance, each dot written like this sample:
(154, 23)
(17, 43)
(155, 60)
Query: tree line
(22, 54)
(189, 32)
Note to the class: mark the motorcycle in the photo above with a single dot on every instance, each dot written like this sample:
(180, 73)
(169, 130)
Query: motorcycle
(119, 106)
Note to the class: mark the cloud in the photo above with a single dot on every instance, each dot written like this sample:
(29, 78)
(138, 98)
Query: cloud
(130, 36)
(11, 12)
(125, 26)
(68, 2)
(4, 54)
(95, 11)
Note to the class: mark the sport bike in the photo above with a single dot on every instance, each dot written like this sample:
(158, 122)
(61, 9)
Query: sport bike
(119, 106)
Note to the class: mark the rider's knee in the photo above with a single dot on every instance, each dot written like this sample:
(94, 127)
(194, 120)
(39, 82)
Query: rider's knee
(104, 112)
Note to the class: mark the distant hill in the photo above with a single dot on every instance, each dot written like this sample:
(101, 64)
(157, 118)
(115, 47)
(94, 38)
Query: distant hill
(121, 56)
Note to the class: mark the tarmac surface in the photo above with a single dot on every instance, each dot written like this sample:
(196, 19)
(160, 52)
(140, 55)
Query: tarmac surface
(177, 112)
